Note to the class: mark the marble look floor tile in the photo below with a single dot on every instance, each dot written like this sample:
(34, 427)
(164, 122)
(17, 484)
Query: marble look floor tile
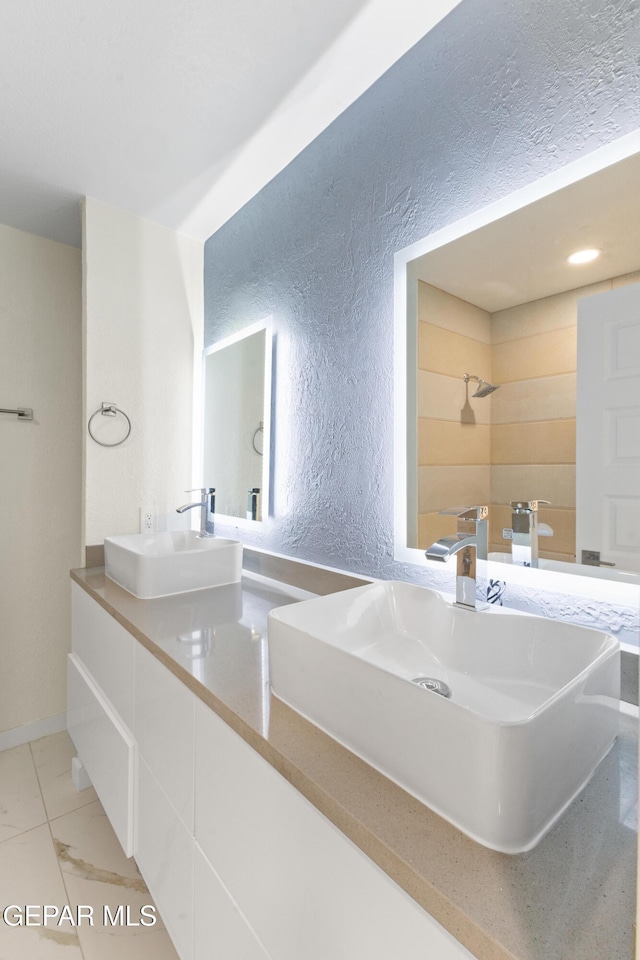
(52, 757)
(97, 873)
(21, 806)
(29, 874)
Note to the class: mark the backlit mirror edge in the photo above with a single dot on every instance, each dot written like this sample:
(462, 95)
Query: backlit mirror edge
(265, 324)
(405, 380)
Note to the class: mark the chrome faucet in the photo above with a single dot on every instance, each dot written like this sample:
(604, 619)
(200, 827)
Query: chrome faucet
(524, 538)
(470, 544)
(207, 509)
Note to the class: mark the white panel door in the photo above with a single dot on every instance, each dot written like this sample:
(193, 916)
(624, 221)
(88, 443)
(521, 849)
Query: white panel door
(608, 427)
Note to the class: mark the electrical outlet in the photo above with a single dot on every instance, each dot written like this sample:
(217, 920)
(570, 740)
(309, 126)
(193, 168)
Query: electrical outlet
(147, 522)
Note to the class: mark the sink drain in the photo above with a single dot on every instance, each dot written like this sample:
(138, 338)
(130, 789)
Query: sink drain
(430, 683)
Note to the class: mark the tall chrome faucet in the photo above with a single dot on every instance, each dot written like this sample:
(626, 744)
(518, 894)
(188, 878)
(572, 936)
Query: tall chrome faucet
(207, 509)
(524, 539)
(470, 544)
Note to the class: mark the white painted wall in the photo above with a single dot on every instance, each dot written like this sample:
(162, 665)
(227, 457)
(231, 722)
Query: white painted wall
(40, 470)
(143, 316)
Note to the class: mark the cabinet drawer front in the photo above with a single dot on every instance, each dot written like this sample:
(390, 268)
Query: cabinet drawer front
(105, 747)
(164, 854)
(220, 930)
(306, 890)
(105, 648)
(164, 719)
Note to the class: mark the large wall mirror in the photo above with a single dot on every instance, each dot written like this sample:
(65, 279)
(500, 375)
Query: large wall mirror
(236, 419)
(518, 371)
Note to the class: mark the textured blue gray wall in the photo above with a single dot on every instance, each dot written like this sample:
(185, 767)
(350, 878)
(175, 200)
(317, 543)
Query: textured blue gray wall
(498, 94)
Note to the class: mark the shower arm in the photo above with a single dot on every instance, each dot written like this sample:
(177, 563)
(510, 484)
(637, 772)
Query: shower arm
(484, 387)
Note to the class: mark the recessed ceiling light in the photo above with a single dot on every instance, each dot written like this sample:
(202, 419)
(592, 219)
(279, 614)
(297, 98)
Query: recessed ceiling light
(583, 256)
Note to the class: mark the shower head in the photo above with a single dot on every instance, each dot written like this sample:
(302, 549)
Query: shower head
(484, 388)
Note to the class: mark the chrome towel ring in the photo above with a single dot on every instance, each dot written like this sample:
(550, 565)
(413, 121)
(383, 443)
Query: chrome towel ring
(258, 430)
(109, 410)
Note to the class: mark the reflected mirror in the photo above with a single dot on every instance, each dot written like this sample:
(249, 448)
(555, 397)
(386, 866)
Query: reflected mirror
(236, 443)
(518, 372)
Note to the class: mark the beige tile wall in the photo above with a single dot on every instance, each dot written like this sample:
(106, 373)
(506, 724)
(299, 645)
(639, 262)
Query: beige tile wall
(526, 481)
(432, 526)
(543, 399)
(454, 430)
(442, 351)
(518, 443)
(440, 308)
(447, 442)
(540, 355)
(538, 441)
(441, 398)
(533, 447)
(541, 316)
(444, 486)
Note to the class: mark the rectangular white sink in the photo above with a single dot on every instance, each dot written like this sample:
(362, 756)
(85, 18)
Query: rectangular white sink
(152, 565)
(533, 707)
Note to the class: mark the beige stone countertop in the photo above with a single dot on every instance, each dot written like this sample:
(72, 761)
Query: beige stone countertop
(571, 898)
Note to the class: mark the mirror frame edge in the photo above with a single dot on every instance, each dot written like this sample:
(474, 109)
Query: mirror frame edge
(265, 324)
(405, 325)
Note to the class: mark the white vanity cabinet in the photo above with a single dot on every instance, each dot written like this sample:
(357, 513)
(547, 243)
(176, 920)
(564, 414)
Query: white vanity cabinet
(100, 709)
(241, 866)
(164, 719)
(306, 890)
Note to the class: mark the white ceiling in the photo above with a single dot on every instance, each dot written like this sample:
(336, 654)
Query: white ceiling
(177, 110)
(523, 256)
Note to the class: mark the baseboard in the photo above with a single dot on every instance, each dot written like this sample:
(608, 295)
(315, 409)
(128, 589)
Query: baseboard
(32, 731)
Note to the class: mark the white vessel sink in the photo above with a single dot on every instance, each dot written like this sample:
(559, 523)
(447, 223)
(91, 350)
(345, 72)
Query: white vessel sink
(160, 564)
(533, 706)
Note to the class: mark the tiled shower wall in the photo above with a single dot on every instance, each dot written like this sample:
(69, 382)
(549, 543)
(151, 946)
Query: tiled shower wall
(517, 443)
(533, 416)
(454, 430)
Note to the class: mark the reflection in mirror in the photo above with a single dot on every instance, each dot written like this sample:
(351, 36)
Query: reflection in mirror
(503, 340)
(237, 401)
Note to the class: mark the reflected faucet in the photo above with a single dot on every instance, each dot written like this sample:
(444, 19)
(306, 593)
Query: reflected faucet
(524, 539)
(470, 544)
(207, 509)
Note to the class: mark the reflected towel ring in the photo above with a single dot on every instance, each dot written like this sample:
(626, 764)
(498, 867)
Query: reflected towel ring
(109, 410)
(258, 430)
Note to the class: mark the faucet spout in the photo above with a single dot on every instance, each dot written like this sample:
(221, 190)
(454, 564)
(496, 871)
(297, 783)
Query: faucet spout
(469, 544)
(207, 510)
(448, 546)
